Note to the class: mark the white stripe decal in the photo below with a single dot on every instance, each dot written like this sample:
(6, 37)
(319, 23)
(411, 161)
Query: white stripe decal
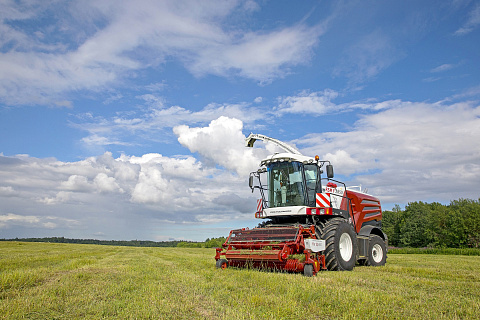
(259, 205)
(323, 200)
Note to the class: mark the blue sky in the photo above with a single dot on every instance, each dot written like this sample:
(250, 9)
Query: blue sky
(126, 119)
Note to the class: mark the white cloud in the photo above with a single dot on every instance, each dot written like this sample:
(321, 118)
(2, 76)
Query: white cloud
(320, 103)
(344, 160)
(105, 183)
(60, 197)
(49, 222)
(258, 56)
(401, 151)
(11, 218)
(416, 151)
(306, 102)
(431, 79)
(97, 140)
(473, 21)
(467, 93)
(7, 191)
(129, 193)
(105, 36)
(151, 187)
(222, 142)
(76, 183)
(154, 121)
(443, 67)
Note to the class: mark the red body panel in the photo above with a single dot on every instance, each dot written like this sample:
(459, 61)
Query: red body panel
(364, 208)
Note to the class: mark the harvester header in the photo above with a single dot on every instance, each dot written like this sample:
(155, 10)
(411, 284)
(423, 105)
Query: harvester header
(290, 248)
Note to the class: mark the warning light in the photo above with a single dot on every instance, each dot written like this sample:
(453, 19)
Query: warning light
(317, 158)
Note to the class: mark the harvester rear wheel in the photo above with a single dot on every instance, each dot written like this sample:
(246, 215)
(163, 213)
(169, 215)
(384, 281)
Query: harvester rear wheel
(377, 252)
(222, 264)
(308, 270)
(340, 244)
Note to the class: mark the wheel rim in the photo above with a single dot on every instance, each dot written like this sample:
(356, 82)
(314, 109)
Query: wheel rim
(224, 266)
(377, 253)
(345, 246)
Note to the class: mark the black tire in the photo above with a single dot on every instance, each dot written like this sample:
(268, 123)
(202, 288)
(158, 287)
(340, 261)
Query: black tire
(221, 264)
(308, 270)
(377, 252)
(341, 247)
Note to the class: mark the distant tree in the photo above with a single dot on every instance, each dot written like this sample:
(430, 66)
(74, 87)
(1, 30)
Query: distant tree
(464, 222)
(412, 227)
(214, 242)
(434, 225)
(391, 222)
(190, 244)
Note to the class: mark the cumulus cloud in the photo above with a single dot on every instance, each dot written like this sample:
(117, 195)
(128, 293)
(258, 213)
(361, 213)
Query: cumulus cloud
(76, 183)
(222, 142)
(151, 187)
(59, 197)
(416, 151)
(343, 160)
(139, 193)
(104, 183)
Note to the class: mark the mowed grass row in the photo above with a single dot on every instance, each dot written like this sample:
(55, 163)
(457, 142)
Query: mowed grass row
(73, 281)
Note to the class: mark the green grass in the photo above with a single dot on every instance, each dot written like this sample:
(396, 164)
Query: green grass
(73, 281)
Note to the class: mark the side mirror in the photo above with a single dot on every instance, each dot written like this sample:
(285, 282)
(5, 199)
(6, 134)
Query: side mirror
(250, 182)
(329, 171)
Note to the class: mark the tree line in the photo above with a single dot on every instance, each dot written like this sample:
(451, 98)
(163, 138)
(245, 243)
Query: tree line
(435, 225)
(129, 243)
(208, 243)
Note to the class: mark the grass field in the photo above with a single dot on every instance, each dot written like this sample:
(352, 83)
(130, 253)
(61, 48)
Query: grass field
(73, 281)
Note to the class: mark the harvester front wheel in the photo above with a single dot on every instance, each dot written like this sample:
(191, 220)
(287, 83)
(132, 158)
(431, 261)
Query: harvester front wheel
(377, 252)
(340, 244)
(221, 264)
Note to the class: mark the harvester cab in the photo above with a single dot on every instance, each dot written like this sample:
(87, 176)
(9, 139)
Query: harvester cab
(309, 223)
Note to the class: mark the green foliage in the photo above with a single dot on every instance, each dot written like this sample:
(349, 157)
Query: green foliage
(434, 225)
(209, 243)
(391, 224)
(215, 242)
(440, 251)
(65, 281)
(190, 244)
(469, 210)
